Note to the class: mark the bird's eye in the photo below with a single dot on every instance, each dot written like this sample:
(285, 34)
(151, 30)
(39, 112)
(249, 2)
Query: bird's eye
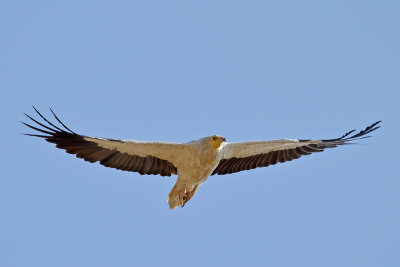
(214, 138)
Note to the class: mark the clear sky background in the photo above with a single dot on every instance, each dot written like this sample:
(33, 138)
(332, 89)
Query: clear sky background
(181, 70)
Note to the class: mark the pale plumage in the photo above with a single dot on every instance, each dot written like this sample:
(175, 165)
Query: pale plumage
(193, 162)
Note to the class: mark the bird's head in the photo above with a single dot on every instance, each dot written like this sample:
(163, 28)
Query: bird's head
(216, 141)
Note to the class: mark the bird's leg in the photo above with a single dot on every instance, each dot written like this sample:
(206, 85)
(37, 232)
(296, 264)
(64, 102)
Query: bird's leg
(190, 194)
(185, 195)
(182, 196)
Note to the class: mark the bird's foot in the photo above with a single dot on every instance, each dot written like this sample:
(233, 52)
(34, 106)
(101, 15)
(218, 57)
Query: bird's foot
(187, 195)
(182, 197)
(190, 194)
(183, 202)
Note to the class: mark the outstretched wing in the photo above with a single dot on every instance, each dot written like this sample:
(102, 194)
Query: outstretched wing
(250, 155)
(134, 156)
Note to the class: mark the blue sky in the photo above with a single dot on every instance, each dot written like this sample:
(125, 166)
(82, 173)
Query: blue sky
(181, 70)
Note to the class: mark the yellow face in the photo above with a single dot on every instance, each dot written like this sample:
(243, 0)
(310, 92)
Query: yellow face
(216, 141)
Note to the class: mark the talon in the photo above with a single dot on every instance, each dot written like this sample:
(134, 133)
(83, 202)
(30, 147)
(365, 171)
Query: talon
(184, 200)
(182, 197)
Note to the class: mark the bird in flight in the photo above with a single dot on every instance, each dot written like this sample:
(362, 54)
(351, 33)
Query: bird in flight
(193, 162)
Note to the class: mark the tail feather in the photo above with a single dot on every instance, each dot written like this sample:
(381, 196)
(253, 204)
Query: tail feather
(173, 197)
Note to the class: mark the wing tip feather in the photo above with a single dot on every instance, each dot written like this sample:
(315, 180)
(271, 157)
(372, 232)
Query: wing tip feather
(54, 129)
(360, 135)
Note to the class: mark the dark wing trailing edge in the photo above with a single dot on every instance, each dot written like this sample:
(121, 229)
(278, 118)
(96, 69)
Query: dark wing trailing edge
(91, 151)
(237, 164)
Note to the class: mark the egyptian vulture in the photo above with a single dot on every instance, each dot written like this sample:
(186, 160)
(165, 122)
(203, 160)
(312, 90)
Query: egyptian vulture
(193, 162)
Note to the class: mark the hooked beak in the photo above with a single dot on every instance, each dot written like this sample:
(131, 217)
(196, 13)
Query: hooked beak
(223, 139)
